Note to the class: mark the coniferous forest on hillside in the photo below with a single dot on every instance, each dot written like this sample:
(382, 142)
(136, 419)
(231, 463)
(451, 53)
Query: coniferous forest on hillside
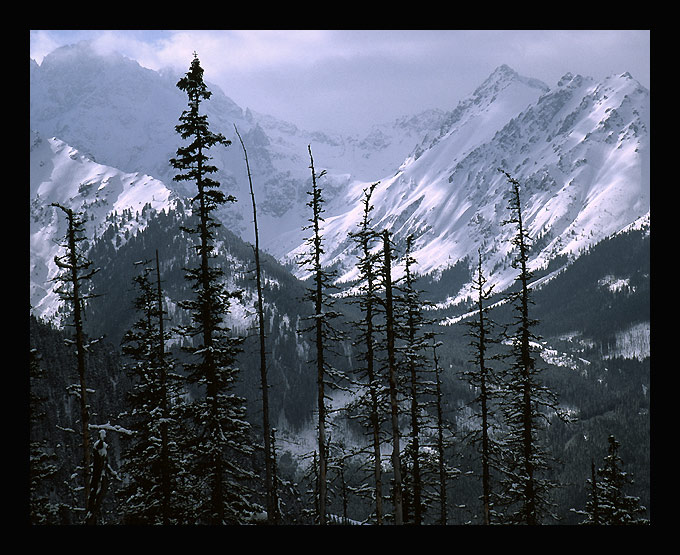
(196, 381)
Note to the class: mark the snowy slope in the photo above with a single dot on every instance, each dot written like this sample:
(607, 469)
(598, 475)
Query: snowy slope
(61, 174)
(124, 115)
(580, 151)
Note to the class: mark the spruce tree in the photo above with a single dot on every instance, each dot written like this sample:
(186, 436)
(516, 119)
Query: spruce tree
(370, 404)
(411, 329)
(441, 442)
(220, 439)
(592, 512)
(74, 284)
(614, 506)
(151, 459)
(526, 486)
(485, 381)
(390, 336)
(323, 332)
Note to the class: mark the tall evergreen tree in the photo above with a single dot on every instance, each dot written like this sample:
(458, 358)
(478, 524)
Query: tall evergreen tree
(414, 345)
(370, 405)
(483, 378)
(76, 271)
(390, 336)
(151, 466)
(441, 443)
(526, 487)
(220, 440)
(272, 509)
(324, 334)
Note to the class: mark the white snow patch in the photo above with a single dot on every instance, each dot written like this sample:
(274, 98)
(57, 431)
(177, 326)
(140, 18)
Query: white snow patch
(633, 342)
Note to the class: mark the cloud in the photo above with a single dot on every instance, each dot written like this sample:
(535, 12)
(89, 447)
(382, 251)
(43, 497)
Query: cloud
(240, 50)
(41, 44)
(345, 79)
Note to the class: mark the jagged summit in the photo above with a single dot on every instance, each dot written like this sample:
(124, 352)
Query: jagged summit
(502, 77)
(581, 149)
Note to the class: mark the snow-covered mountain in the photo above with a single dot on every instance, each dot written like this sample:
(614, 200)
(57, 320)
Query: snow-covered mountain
(61, 174)
(124, 115)
(580, 151)
(93, 116)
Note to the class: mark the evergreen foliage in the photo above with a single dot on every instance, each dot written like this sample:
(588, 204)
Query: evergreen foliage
(57, 431)
(413, 346)
(186, 452)
(485, 382)
(151, 459)
(219, 442)
(390, 346)
(608, 503)
(325, 335)
(370, 403)
(444, 436)
(526, 484)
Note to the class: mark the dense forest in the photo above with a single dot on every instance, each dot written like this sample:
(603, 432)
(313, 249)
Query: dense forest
(163, 402)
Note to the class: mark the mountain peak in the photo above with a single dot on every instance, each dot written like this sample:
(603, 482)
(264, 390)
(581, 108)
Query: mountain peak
(84, 50)
(571, 80)
(88, 66)
(504, 76)
(505, 70)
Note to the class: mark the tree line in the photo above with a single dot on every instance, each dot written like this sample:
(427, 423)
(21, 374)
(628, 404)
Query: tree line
(187, 447)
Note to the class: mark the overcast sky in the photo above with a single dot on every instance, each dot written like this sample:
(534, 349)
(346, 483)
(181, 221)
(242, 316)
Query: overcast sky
(346, 80)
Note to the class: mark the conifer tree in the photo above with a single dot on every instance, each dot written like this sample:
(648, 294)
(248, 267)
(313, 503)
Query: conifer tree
(272, 511)
(414, 339)
(151, 459)
(390, 335)
(614, 506)
(592, 512)
(370, 406)
(443, 442)
(76, 271)
(483, 378)
(324, 334)
(275, 499)
(220, 433)
(526, 487)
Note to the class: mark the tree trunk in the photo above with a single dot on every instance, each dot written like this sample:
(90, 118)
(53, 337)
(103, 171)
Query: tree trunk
(165, 456)
(272, 513)
(389, 318)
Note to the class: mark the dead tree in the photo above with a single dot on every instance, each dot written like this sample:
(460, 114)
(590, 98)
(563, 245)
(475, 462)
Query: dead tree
(269, 477)
(76, 269)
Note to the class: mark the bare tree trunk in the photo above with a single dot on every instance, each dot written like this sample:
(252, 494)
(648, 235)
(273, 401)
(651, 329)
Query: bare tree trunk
(71, 264)
(272, 513)
(319, 360)
(389, 317)
(440, 440)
